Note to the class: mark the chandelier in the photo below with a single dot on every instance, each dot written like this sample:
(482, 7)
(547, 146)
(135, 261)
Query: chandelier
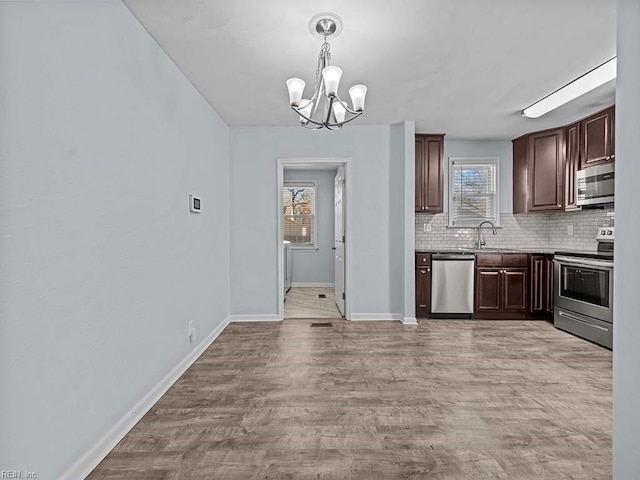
(325, 109)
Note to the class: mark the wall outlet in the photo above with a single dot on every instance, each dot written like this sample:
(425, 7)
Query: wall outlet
(426, 227)
(570, 230)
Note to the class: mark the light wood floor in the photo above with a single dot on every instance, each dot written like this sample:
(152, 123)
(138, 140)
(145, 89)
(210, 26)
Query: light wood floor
(367, 400)
(305, 302)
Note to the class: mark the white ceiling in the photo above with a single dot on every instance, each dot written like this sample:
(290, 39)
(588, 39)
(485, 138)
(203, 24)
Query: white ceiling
(461, 67)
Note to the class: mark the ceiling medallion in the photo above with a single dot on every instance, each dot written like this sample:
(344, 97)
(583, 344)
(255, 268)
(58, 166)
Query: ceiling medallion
(325, 109)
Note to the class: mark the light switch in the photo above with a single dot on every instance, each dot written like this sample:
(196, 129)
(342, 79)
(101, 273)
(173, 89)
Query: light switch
(569, 230)
(195, 204)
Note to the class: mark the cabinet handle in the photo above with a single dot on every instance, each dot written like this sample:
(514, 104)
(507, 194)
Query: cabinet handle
(608, 157)
(612, 157)
(423, 272)
(426, 208)
(428, 269)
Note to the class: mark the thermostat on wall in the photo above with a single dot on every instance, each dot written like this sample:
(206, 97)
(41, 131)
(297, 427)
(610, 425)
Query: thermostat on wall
(195, 205)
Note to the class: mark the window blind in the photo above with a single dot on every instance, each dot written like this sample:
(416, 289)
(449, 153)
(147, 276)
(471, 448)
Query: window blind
(298, 219)
(473, 192)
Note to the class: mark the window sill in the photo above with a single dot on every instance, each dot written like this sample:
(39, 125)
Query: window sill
(304, 248)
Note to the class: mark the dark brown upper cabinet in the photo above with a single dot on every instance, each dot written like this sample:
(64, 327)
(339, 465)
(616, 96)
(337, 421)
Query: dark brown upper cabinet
(598, 142)
(571, 165)
(545, 163)
(538, 172)
(546, 170)
(429, 193)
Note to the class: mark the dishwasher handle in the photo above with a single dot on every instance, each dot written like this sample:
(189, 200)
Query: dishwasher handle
(453, 256)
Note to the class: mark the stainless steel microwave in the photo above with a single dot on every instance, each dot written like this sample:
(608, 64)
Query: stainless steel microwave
(595, 184)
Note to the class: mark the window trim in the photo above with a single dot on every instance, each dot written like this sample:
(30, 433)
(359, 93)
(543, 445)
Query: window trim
(314, 231)
(472, 161)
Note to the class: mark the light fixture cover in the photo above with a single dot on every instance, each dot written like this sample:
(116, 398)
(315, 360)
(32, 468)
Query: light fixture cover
(296, 87)
(358, 94)
(331, 75)
(587, 82)
(305, 108)
(339, 111)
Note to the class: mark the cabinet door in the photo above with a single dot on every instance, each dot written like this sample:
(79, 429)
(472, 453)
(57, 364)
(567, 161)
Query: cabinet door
(423, 291)
(572, 164)
(598, 138)
(549, 279)
(546, 170)
(514, 289)
(488, 289)
(420, 169)
(538, 284)
(429, 173)
(520, 175)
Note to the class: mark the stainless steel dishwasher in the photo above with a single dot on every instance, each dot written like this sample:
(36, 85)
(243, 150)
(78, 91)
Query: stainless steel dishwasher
(452, 283)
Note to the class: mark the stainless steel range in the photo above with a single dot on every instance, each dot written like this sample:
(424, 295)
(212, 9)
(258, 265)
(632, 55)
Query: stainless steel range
(583, 299)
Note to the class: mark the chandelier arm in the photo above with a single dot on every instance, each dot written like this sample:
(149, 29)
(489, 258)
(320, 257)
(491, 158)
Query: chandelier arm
(316, 98)
(311, 127)
(346, 121)
(329, 111)
(306, 118)
(346, 107)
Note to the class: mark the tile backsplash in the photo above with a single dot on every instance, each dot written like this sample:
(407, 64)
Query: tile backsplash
(534, 230)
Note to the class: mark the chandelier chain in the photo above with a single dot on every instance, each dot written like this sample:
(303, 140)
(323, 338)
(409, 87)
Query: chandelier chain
(324, 58)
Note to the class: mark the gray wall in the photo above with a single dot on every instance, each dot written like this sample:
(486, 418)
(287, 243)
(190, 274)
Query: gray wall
(626, 335)
(316, 265)
(102, 139)
(401, 220)
(480, 148)
(254, 151)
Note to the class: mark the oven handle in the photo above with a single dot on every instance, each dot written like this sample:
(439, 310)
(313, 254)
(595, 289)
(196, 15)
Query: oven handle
(562, 314)
(583, 262)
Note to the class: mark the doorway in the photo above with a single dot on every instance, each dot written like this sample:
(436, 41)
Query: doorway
(313, 237)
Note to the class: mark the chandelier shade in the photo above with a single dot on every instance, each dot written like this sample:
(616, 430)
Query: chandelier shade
(325, 109)
(296, 87)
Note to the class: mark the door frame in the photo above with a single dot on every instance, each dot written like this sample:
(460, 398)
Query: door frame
(311, 163)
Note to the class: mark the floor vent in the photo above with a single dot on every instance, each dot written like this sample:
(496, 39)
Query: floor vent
(322, 295)
(323, 324)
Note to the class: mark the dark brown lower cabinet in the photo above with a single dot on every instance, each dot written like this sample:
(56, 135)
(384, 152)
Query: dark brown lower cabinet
(502, 284)
(514, 289)
(423, 285)
(542, 285)
(488, 287)
(501, 290)
(549, 279)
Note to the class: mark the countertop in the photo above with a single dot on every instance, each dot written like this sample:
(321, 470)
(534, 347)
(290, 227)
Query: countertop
(537, 251)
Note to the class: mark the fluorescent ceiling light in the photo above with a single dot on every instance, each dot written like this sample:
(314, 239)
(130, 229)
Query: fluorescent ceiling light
(581, 85)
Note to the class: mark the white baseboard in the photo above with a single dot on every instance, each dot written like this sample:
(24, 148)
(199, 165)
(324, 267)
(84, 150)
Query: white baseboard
(308, 284)
(256, 318)
(376, 317)
(409, 321)
(99, 450)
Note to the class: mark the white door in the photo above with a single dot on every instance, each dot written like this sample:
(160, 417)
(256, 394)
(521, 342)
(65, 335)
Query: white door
(339, 239)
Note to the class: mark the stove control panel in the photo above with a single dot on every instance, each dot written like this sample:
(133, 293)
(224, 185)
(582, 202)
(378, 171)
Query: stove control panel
(605, 234)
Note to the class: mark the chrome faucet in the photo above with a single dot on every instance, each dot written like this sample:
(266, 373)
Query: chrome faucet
(480, 241)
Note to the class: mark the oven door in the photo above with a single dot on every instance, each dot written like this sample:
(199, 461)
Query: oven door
(585, 286)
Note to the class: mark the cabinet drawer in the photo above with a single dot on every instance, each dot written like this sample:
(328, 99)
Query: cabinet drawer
(515, 260)
(423, 259)
(489, 260)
